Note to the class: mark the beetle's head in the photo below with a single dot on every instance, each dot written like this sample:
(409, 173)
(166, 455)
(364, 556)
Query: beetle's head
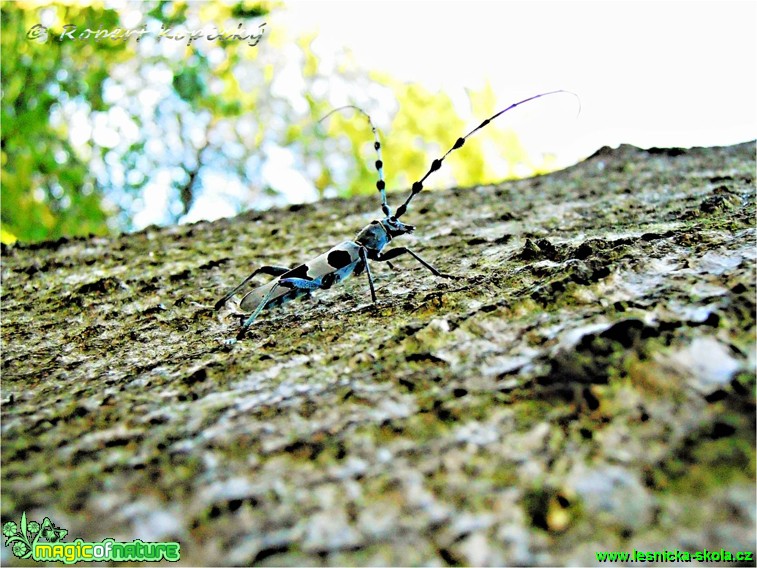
(395, 227)
(376, 235)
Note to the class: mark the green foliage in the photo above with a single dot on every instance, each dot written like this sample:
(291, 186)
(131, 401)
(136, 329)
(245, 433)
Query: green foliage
(110, 135)
(47, 188)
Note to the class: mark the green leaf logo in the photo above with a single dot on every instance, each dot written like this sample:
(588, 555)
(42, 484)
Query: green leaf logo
(22, 537)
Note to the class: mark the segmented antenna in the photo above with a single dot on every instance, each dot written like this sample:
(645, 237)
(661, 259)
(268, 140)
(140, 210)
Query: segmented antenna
(436, 164)
(380, 185)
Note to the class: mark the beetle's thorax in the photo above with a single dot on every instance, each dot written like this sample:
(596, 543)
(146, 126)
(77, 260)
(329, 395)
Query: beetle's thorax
(377, 234)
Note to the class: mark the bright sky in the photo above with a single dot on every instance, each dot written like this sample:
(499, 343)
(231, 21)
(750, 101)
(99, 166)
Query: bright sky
(648, 73)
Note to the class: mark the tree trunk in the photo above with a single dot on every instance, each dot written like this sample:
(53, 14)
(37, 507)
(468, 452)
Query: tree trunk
(586, 385)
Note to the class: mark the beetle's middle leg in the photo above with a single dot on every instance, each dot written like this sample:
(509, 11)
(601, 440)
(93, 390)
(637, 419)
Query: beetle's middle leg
(364, 258)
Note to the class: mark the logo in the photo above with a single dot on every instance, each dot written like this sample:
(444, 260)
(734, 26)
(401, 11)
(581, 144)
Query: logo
(43, 542)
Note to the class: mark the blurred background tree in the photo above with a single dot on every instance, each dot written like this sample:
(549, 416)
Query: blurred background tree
(107, 135)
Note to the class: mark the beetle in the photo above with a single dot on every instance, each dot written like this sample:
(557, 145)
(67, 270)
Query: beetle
(349, 257)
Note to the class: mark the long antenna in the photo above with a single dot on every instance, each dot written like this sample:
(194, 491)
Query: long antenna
(436, 164)
(380, 185)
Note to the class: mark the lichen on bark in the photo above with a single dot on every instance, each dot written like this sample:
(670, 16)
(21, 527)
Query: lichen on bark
(586, 385)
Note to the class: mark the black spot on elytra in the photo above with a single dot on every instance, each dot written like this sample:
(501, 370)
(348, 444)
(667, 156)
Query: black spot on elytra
(329, 280)
(339, 259)
(300, 272)
(359, 268)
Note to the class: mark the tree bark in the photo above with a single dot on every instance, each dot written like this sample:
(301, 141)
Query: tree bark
(586, 385)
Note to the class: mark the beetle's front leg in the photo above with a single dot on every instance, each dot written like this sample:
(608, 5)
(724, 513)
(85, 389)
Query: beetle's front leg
(394, 253)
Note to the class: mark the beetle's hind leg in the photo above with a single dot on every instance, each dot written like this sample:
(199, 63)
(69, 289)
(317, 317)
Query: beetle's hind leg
(290, 283)
(270, 270)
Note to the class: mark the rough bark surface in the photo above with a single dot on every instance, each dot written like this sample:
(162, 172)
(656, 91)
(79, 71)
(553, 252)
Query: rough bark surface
(586, 385)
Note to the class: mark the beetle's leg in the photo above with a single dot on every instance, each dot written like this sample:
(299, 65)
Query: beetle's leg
(291, 283)
(271, 270)
(394, 253)
(364, 258)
